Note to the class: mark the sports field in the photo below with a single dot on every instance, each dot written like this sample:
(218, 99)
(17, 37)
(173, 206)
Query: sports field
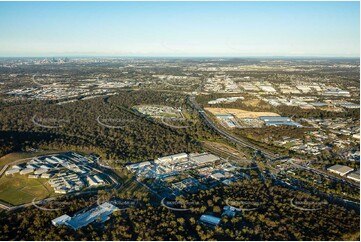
(18, 189)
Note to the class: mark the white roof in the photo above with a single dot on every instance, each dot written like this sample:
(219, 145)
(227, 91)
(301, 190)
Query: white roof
(12, 171)
(60, 220)
(179, 156)
(137, 165)
(340, 168)
(217, 175)
(202, 158)
(40, 171)
(354, 175)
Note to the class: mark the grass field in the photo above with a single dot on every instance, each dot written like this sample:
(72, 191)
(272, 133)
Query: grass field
(6, 159)
(18, 189)
(239, 113)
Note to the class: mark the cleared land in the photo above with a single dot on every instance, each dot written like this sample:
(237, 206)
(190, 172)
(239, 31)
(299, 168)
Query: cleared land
(19, 189)
(6, 159)
(255, 103)
(239, 113)
(226, 150)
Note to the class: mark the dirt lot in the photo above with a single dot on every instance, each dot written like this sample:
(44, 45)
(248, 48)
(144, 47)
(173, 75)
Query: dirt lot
(239, 113)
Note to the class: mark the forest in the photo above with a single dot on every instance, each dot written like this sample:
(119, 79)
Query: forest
(74, 126)
(273, 219)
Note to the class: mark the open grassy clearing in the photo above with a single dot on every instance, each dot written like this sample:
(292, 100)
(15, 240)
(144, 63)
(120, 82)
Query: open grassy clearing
(18, 189)
(6, 159)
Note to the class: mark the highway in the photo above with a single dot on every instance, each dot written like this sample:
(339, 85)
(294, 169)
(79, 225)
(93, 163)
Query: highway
(326, 174)
(230, 137)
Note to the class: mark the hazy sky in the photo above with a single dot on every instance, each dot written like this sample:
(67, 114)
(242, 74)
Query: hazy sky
(180, 28)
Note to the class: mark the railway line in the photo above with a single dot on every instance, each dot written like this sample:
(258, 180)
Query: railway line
(228, 135)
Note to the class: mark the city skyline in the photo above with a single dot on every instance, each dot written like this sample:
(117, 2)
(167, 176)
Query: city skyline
(180, 29)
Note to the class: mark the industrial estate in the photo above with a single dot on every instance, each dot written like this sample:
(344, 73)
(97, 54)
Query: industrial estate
(213, 150)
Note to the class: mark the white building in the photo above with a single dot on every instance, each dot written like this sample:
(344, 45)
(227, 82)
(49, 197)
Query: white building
(12, 171)
(60, 220)
(26, 171)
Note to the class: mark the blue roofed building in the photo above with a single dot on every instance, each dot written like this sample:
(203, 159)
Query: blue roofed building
(277, 120)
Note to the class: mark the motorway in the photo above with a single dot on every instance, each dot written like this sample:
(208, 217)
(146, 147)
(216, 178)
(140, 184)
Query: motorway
(228, 135)
(326, 174)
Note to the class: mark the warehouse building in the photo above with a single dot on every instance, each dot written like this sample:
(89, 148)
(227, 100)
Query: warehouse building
(210, 220)
(60, 220)
(100, 213)
(354, 176)
(137, 166)
(277, 120)
(340, 169)
(171, 158)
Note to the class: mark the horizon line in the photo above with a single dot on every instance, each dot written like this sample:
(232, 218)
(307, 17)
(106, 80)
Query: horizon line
(160, 56)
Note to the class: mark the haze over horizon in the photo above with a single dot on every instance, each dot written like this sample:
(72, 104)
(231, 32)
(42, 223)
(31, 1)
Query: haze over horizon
(180, 29)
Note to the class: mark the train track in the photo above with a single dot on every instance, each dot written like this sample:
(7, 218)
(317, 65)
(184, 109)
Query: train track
(228, 135)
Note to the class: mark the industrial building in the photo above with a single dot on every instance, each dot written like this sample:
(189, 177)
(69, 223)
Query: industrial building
(228, 120)
(138, 165)
(203, 159)
(171, 158)
(340, 169)
(210, 220)
(100, 214)
(354, 176)
(276, 120)
(60, 220)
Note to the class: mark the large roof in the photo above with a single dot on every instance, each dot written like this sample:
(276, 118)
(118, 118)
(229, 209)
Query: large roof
(275, 118)
(205, 158)
(340, 168)
(101, 212)
(210, 219)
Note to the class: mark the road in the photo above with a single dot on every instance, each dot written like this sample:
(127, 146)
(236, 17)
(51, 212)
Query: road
(230, 137)
(326, 174)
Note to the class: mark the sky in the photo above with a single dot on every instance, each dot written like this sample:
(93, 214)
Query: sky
(329, 29)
